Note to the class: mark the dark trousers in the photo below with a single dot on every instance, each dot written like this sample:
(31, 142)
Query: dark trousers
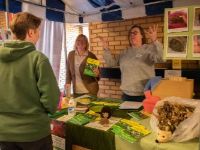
(126, 97)
(42, 144)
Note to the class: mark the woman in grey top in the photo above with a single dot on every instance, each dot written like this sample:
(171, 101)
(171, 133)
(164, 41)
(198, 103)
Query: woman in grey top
(137, 62)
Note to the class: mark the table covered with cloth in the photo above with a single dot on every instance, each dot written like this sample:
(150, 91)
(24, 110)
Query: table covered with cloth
(95, 139)
(148, 143)
(102, 140)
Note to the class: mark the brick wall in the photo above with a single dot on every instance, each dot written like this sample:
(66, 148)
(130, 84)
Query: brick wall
(2, 20)
(116, 34)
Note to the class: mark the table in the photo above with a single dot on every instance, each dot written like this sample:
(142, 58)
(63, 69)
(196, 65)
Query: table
(148, 143)
(97, 140)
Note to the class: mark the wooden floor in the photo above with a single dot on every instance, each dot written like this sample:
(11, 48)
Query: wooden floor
(76, 147)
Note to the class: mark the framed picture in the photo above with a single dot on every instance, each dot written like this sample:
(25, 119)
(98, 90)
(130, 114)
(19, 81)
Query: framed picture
(177, 20)
(196, 45)
(1, 36)
(196, 23)
(177, 46)
(5, 35)
(8, 34)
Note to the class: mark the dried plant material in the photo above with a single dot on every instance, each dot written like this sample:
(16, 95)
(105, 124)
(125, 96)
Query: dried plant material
(171, 115)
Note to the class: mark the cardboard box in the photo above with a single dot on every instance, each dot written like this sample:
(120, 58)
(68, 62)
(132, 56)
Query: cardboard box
(181, 88)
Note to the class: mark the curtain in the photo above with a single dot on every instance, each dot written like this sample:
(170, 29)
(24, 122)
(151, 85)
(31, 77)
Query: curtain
(52, 43)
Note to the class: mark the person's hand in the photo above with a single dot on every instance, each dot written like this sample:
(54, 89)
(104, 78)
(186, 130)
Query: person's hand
(152, 32)
(68, 90)
(67, 85)
(103, 42)
(96, 71)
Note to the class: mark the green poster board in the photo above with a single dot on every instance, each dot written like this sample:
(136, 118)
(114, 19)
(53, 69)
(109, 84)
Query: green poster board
(182, 33)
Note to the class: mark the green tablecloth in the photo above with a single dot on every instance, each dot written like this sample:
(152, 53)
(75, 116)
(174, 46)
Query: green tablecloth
(100, 140)
(89, 138)
(148, 143)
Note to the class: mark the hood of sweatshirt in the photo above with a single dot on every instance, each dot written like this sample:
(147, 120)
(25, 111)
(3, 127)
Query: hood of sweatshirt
(14, 50)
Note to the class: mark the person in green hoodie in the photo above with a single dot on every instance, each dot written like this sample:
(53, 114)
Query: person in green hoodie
(28, 90)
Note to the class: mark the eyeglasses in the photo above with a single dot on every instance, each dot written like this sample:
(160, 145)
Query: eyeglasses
(134, 33)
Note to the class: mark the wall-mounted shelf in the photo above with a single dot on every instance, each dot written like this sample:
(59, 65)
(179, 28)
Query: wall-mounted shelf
(114, 73)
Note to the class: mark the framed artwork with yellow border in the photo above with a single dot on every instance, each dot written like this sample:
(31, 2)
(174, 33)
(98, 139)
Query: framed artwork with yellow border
(196, 18)
(182, 33)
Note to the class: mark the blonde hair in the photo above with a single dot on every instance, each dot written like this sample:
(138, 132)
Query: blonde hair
(22, 22)
(85, 39)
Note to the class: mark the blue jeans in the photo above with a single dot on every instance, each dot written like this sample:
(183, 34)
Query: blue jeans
(126, 97)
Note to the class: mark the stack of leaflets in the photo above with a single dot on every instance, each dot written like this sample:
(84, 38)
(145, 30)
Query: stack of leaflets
(85, 99)
(91, 64)
(96, 124)
(138, 115)
(130, 105)
(58, 113)
(82, 119)
(64, 118)
(81, 109)
(104, 103)
(83, 103)
(129, 130)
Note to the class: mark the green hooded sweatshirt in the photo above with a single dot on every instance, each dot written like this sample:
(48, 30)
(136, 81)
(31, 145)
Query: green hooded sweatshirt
(28, 92)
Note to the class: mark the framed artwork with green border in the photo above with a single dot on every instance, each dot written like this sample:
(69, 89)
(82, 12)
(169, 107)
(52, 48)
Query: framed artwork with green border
(196, 18)
(177, 20)
(196, 45)
(177, 46)
(182, 33)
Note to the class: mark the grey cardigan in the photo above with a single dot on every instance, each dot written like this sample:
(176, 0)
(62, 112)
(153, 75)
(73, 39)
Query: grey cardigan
(136, 65)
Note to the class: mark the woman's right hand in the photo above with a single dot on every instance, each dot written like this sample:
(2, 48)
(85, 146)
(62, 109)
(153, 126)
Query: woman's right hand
(152, 32)
(96, 71)
(104, 42)
(68, 90)
(67, 85)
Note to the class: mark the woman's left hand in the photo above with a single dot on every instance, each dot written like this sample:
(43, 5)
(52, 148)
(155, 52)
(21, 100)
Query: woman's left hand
(152, 32)
(96, 71)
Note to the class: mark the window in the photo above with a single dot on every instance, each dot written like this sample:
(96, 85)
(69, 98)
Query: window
(72, 31)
